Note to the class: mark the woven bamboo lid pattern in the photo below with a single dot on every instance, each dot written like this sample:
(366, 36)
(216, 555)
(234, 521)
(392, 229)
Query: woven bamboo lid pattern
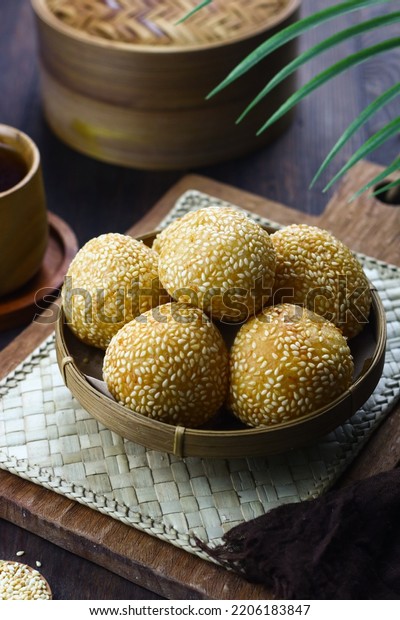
(154, 22)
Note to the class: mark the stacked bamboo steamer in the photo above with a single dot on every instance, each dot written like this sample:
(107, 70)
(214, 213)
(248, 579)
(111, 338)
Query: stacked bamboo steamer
(122, 82)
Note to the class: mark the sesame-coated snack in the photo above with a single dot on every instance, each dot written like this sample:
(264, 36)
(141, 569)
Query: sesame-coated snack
(219, 260)
(169, 364)
(316, 269)
(165, 233)
(112, 279)
(285, 363)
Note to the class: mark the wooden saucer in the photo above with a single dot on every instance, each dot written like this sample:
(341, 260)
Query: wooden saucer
(20, 307)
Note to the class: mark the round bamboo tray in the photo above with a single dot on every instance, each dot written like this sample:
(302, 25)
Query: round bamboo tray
(81, 367)
(142, 103)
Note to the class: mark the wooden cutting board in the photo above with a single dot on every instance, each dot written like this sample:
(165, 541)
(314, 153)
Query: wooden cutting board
(366, 225)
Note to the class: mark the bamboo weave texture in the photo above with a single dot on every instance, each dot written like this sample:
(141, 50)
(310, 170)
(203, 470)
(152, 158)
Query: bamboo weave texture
(154, 22)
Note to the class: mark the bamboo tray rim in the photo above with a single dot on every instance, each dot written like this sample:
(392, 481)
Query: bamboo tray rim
(43, 12)
(346, 404)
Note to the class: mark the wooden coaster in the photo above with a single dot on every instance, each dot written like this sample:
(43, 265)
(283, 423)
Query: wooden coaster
(21, 306)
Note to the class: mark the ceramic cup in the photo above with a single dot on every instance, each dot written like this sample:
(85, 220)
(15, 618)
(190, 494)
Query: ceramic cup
(23, 213)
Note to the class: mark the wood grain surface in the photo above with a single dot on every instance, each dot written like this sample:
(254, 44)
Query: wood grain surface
(154, 564)
(94, 198)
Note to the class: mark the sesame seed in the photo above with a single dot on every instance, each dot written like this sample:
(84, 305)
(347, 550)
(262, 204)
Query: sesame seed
(189, 385)
(21, 582)
(308, 378)
(99, 295)
(217, 249)
(304, 266)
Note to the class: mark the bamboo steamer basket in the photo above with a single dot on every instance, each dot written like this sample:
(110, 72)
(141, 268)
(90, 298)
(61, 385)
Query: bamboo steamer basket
(225, 437)
(141, 103)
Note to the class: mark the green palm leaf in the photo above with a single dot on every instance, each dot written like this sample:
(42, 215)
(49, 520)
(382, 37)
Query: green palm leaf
(297, 29)
(328, 74)
(375, 141)
(395, 165)
(193, 11)
(394, 185)
(290, 33)
(328, 43)
(361, 119)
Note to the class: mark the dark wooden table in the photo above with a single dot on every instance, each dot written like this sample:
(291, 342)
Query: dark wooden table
(93, 198)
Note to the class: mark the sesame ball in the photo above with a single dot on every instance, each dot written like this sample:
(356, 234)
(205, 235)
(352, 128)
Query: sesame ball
(316, 269)
(169, 364)
(112, 279)
(165, 233)
(285, 363)
(218, 260)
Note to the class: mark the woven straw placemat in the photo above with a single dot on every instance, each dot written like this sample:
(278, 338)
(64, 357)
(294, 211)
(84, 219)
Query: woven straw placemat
(46, 437)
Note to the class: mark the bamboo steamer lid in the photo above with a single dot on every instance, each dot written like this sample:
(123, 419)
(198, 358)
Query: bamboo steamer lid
(154, 22)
